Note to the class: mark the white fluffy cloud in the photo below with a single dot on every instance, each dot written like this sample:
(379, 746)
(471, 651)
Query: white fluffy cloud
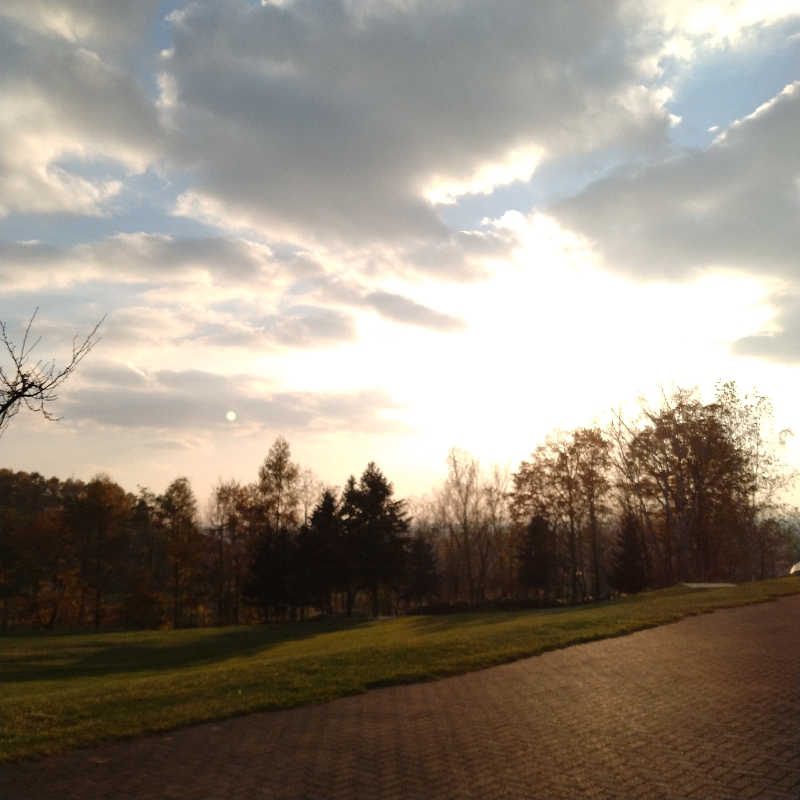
(221, 291)
(63, 106)
(328, 146)
(734, 205)
(323, 120)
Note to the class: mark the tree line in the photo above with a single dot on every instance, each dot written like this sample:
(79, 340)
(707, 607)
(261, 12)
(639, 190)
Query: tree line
(686, 491)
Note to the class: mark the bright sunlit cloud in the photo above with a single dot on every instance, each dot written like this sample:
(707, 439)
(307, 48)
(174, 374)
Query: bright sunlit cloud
(393, 228)
(518, 165)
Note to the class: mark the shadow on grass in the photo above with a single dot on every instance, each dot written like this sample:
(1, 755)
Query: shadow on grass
(114, 653)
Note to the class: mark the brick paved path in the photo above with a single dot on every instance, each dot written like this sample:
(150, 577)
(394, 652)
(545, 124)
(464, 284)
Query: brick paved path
(706, 708)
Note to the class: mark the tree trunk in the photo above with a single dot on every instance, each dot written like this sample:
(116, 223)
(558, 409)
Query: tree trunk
(61, 591)
(98, 608)
(375, 609)
(350, 597)
(175, 594)
(573, 555)
(595, 552)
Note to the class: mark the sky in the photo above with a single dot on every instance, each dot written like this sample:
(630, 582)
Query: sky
(385, 228)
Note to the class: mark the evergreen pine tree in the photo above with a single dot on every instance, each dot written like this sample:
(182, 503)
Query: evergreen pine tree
(629, 574)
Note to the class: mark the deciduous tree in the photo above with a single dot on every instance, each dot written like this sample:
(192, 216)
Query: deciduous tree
(278, 482)
(30, 382)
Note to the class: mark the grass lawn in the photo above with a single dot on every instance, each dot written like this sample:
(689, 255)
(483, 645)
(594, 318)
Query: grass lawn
(59, 691)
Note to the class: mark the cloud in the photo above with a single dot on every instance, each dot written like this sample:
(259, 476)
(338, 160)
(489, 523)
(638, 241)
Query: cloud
(463, 255)
(401, 309)
(27, 255)
(325, 120)
(146, 257)
(391, 306)
(170, 324)
(719, 23)
(89, 21)
(304, 326)
(61, 103)
(163, 291)
(781, 345)
(195, 399)
(113, 374)
(135, 326)
(733, 205)
(295, 326)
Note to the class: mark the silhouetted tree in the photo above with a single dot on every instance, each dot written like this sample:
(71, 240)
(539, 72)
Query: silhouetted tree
(99, 521)
(594, 466)
(272, 577)
(462, 517)
(34, 383)
(309, 491)
(550, 485)
(148, 565)
(233, 515)
(422, 580)
(629, 573)
(694, 471)
(177, 515)
(322, 548)
(376, 527)
(537, 557)
(278, 482)
(690, 488)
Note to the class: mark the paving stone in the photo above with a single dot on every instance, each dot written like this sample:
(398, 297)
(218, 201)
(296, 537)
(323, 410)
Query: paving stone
(705, 708)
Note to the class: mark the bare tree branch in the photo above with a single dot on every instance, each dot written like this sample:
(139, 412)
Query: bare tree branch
(33, 384)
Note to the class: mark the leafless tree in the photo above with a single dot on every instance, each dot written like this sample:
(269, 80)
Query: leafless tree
(460, 510)
(33, 384)
(310, 489)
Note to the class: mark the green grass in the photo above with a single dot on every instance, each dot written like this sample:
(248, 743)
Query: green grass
(67, 690)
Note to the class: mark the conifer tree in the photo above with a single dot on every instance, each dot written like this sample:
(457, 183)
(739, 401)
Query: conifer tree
(629, 574)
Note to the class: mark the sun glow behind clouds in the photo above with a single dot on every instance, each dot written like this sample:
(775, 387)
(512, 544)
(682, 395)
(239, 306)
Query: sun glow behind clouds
(722, 21)
(344, 290)
(551, 342)
(519, 164)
